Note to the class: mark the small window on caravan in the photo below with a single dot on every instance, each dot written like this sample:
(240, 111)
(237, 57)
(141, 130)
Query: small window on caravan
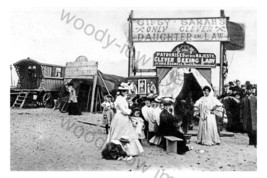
(58, 72)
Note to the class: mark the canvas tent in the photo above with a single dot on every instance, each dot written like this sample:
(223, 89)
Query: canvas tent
(105, 84)
(90, 84)
(172, 81)
(185, 86)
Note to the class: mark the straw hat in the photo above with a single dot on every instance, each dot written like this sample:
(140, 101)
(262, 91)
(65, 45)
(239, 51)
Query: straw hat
(123, 86)
(158, 99)
(168, 101)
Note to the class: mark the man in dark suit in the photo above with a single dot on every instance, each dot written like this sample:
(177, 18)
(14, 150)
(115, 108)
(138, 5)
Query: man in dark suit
(248, 114)
(243, 91)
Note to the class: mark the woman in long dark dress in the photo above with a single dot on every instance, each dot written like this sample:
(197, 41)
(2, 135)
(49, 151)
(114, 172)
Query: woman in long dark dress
(168, 127)
(73, 103)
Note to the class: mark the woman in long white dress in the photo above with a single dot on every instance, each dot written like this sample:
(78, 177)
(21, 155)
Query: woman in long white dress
(121, 124)
(206, 106)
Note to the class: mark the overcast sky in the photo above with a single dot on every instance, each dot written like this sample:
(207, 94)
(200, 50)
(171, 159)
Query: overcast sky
(39, 33)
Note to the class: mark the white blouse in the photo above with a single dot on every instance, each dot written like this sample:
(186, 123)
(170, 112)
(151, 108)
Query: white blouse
(205, 104)
(121, 105)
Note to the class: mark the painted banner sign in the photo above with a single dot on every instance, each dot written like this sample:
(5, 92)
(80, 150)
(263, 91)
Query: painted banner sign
(171, 59)
(173, 30)
(81, 69)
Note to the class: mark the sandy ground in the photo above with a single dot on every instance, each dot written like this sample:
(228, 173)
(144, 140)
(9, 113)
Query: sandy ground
(44, 139)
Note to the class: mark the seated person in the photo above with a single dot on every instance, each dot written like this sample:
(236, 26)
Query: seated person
(168, 127)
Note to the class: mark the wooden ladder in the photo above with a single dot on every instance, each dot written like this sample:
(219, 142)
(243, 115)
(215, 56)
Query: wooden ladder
(20, 100)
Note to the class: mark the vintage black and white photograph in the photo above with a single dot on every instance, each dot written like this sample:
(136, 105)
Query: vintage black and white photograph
(135, 89)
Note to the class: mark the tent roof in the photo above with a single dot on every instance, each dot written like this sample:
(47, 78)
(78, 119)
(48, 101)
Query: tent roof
(111, 81)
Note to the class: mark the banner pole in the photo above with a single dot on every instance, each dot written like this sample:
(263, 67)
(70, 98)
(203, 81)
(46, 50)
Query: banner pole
(130, 43)
(221, 61)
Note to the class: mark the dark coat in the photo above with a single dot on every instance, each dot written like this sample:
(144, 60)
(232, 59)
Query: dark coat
(168, 127)
(167, 124)
(248, 113)
(232, 107)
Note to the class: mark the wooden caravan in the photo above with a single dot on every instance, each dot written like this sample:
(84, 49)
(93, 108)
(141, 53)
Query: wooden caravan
(35, 75)
(38, 83)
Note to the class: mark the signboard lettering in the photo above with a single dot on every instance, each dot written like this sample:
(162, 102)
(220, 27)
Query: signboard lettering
(184, 60)
(170, 30)
(81, 69)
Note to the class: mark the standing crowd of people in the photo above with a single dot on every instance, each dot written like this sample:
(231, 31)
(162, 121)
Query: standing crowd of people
(240, 102)
(152, 117)
(131, 121)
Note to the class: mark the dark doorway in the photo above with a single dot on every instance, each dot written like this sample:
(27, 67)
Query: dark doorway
(31, 83)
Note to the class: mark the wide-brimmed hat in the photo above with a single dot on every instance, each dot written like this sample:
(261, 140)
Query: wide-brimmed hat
(123, 86)
(153, 98)
(158, 99)
(168, 101)
(124, 139)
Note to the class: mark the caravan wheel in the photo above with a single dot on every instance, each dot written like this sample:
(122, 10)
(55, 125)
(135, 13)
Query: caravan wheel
(48, 100)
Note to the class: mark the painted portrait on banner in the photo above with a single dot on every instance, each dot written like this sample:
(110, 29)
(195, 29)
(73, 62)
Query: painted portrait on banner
(151, 88)
(133, 88)
(172, 83)
(142, 86)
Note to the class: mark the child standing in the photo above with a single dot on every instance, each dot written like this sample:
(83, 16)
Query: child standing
(138, 123)
(108, 112)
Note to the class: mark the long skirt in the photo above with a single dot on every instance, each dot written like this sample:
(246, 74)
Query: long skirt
(74, 109)
(208, 133)
(121, 125)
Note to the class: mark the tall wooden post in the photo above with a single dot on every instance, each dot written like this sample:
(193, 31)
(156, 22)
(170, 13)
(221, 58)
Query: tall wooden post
(93, 93)
(87, 105)
(130, 44)
(221, 82)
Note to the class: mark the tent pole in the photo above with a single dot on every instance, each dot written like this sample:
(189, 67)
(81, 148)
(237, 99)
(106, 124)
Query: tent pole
(221, 62)
(96, 99)
(93, 93)
(103, 82)
(99, 99)
(87, 106)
